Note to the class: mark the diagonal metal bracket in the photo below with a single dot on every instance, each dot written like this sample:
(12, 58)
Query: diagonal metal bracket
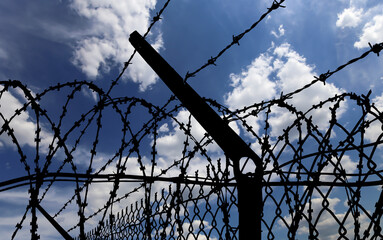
(249, 188)
(55, 224)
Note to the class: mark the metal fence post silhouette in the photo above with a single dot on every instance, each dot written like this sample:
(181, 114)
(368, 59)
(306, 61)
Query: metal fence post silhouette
(249, 187)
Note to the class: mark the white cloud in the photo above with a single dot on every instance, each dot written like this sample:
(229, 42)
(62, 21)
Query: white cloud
(23, 125)
(171, 144)
(197, 234)
(345, 163)
(111, 24)
(19, 200)
(366, 19)
(59, 194)
(374, 130)
(281, 32)
(372, 32)
(294, 74)
(90, 94)
(92, 53)
(350, 17)
(252, 84)
(325, 219)
(280, 69)
(164, 128)
(326, 224)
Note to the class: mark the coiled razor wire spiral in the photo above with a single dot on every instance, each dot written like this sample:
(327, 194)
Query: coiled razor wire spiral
(132, 192)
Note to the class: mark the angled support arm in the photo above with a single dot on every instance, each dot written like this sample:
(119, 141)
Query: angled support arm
(250, 199)
(63, 233)
(233, 146)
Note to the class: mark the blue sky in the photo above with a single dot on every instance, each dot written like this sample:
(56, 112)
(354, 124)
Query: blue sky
(43, 43)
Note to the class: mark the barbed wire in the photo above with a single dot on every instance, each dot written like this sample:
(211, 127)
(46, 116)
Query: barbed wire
(155, 19)
(275, 5)
(303, 166)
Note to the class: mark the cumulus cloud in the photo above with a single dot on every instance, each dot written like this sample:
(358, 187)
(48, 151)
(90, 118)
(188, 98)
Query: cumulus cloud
(366, 19)
(325, 227)
(375, 128)
(171, 140)
(170, 144)
(372, 32)
(23, 125)
(199, 227)
(92, 53)
(164, 128)
(252, 84)
(58, 195)
(345, 163)
(19, 199)
(108, 45)
(280, 69)
(349, 18)
(327, 220)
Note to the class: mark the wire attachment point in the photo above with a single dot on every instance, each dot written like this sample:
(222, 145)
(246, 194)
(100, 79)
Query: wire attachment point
(323, 77)
(211, 61)
(236, 39)
(156, 18)
(376, 48)
(276, 5)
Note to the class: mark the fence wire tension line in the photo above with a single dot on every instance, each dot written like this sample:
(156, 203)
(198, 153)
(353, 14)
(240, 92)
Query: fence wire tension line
(291, 189)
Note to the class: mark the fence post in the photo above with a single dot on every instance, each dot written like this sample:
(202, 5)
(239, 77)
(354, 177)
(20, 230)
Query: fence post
(250, 206)
(249, 187)
(34, 203)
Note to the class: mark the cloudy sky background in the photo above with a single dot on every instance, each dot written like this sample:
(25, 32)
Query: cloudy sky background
(43, 43)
